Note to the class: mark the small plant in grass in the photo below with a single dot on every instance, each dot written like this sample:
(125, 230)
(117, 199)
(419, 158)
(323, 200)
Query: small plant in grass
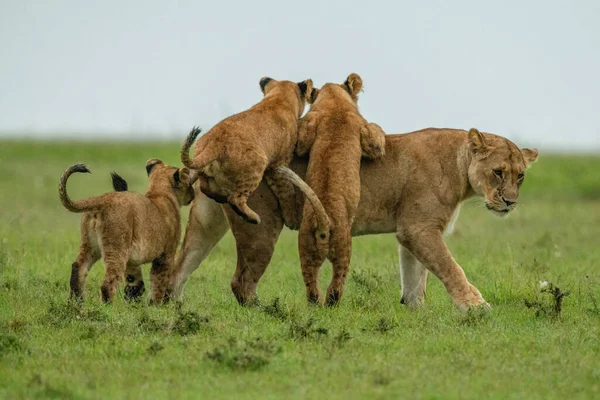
(248, 355)
(552, 310)
(275, 310)
(154, 348)
(188, 322)
(9, 343)
(306, 330)
(384, 325)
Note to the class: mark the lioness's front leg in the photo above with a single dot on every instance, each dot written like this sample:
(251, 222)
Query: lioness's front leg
(413, 278)
(255, 244)
(428, 246)
(205, 228)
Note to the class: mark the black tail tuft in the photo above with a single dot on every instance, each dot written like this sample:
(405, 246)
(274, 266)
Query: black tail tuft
(119, 184)
(80, 168)
(193, 134)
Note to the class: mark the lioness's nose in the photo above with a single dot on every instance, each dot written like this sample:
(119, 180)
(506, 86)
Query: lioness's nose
(508, 202)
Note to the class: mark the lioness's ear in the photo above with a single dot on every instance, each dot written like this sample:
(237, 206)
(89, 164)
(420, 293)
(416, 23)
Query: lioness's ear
(306, 88)
(151, 163)
(264, 82)
(477, 142)
(313, 96)
(353, 84)
(529, 155)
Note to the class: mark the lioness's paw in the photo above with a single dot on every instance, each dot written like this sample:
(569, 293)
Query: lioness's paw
(472, 301)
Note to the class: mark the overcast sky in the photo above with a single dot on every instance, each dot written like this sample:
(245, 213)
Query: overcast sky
(528, 70)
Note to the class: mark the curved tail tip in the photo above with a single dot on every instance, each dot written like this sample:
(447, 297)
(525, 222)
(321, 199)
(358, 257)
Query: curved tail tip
(80, 168)
(194, 133)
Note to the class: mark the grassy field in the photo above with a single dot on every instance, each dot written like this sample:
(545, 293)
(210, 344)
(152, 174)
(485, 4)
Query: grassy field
(369, 347)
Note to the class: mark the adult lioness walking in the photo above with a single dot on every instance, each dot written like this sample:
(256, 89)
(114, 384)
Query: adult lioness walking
(413, 190)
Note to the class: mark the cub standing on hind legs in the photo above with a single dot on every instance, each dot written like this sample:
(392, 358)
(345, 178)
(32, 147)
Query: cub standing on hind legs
(233, 156)
(337, 136)
(129, 229)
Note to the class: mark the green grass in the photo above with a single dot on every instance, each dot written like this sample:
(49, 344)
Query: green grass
(369, 347)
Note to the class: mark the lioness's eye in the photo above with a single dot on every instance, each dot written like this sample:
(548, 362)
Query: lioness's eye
(498, 173)
(520, 176)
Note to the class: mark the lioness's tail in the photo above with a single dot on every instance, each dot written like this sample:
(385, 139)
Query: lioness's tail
(80, 205)
(201, 160)
(322, 218)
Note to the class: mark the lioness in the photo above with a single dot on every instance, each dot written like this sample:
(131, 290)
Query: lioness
(233, 156)
(129, 229)
(413, 190)
(337, 136)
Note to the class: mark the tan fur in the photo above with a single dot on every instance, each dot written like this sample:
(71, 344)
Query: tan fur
(337, 136)
(234, 155)
(413, 191)
(129, 229)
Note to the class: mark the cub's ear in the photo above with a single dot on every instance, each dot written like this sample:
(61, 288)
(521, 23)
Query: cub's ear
(313, 96)
(183, 175)
(151, 163)
(353, 84)
(306, 88)
(529, 155)
(477, 142)
(264, 82)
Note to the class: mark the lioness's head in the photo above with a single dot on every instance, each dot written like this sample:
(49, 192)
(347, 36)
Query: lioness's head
(497, 170)
(347, 91)
(301, 91)
(165, 178)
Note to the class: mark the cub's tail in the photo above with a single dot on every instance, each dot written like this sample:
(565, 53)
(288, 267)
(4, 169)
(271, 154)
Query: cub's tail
(80, 205)
(119, 184)
(323, 224)
(200, 160)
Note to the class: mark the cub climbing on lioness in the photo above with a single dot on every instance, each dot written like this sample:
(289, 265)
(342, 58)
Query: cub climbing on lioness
(232, 157)
(337, 136)
(128, 229)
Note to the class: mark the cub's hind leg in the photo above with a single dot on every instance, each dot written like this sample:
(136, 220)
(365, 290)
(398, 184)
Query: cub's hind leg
(115, 263)
(312, 255)
(340, 253)
(80, 268)
(160, 277)
(88, 254)
(285, 192)
(134, 282)
(248, 175)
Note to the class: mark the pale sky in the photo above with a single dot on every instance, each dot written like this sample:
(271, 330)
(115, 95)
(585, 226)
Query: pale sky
(528, 70)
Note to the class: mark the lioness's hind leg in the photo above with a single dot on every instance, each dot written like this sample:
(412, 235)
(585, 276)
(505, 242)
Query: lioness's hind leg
(413, 278)
(134, 282)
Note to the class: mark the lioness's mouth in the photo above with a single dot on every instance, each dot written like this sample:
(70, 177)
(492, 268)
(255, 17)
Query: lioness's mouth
(500, 213)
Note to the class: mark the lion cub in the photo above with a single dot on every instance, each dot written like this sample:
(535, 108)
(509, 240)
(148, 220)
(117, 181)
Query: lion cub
(233, 156)
(129, 229)
(337, 136)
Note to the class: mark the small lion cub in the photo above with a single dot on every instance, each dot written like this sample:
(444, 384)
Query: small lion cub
(128, 229)
(337, 137)
(235, 154)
